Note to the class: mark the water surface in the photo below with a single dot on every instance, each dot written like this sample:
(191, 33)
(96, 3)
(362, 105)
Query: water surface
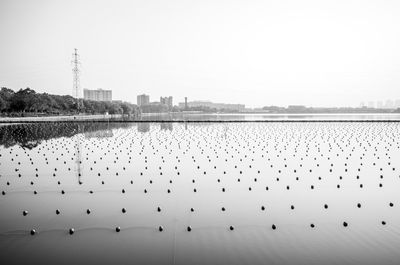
(293, 193)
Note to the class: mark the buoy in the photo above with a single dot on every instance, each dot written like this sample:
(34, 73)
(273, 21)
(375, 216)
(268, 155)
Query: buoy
(160, 228)
(231, 228)
(88, 211)
(312, 225)
(33, 232)
(191, 209)
(273, 227)
(345, 224)
(158, 209)
(71, 231)
(58, 212)
(118, 229)
(189, 228)
(123, 210)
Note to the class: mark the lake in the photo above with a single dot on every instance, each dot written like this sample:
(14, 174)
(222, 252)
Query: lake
(309, 192)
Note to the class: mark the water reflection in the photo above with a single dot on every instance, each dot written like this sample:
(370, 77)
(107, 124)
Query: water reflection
(143, 127)
(315, 185)
(31, 135)
(262, 117)
(78, 153)
(166, 126)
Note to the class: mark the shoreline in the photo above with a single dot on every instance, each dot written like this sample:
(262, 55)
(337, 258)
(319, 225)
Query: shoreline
(194, 119)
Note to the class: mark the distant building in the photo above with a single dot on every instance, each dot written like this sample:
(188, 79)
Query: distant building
(143, 100)
(209, 104)
(297, 108)
(371, 104)
(166, 101)
(389, 104)
(397, 103)
(97, 94)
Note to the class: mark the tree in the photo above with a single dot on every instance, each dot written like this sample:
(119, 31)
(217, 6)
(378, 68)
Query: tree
(27, 100)
(126, 108)
(3, 104)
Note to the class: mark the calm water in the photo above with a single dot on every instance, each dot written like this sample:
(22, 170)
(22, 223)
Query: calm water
(266, 117)
(250, 193)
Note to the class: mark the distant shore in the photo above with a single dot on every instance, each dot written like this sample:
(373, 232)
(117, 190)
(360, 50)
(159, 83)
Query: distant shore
(209, 117)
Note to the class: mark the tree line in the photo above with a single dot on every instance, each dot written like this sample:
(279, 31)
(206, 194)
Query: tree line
(28, 102)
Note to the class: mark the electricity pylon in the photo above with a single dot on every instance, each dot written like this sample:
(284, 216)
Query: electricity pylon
(76, 91)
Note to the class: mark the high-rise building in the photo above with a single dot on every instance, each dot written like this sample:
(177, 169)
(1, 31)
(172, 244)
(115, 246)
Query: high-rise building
(143, 100)
(97, 94)
(166, 101)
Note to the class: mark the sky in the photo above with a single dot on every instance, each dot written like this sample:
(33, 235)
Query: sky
(253, 52)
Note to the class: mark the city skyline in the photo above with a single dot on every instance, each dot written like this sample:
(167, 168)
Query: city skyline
(328, 55)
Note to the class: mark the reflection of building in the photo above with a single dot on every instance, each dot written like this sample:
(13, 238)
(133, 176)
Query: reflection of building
(143, 99)
(143, 127)
(209, 104)
(166, 101)
(166, 126)
(99, 134)
(97, 94)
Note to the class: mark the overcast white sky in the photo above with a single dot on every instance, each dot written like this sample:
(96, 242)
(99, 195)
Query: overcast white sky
(311, 52)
